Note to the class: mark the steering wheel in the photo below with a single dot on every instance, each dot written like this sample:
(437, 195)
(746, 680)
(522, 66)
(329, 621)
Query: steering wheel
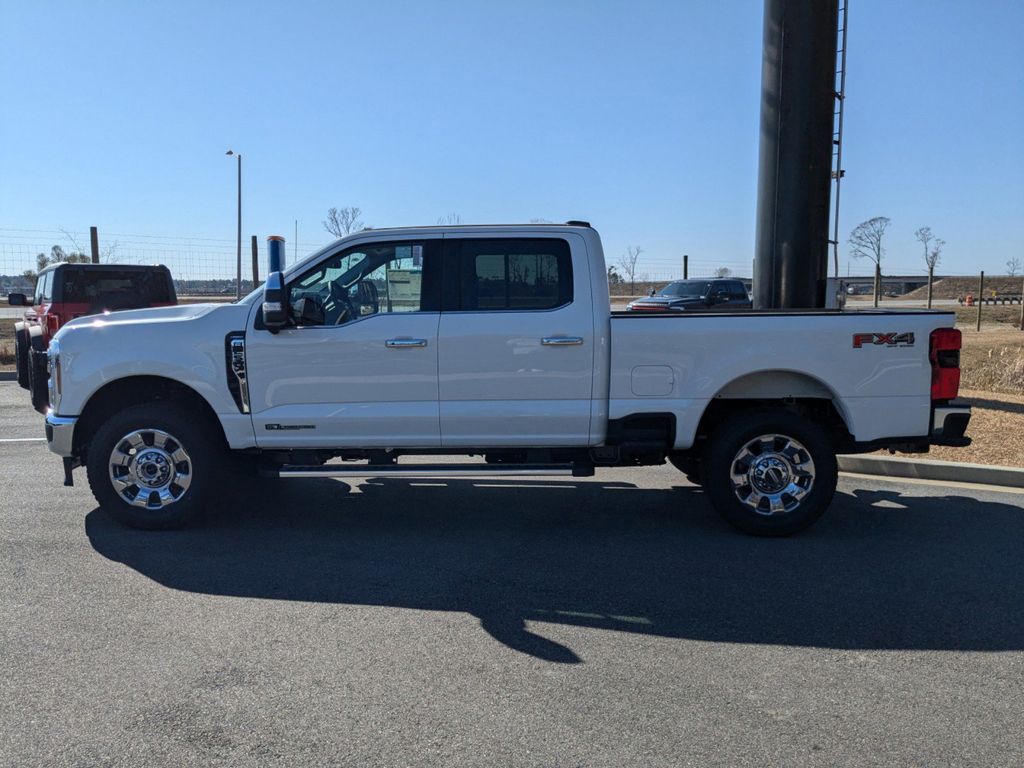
(339, 294)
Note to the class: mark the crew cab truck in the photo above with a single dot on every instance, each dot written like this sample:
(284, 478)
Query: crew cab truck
(69, 290)
(494, 342)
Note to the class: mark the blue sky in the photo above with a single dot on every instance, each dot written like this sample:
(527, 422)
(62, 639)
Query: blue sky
(640, 117)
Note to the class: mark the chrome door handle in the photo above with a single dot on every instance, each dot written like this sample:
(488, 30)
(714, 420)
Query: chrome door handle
(562, 341)
(404, 343)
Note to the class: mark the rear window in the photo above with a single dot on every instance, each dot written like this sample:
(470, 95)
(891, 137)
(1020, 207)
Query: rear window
(517, 274)
(116, 289)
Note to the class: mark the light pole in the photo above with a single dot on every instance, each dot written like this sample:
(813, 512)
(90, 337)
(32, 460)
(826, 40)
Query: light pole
(238, 279)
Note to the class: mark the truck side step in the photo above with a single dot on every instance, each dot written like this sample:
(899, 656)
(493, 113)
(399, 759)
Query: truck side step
(431, 470)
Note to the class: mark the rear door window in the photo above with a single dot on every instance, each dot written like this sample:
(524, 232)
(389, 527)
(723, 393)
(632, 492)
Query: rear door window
(738, 292)
(511, 273)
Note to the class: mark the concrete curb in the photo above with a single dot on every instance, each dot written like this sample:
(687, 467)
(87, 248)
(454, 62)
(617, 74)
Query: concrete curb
(927, 469)
(8, 375)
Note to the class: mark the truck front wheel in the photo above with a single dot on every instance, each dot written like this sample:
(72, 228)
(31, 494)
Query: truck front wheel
(151, 466)
(770, 473)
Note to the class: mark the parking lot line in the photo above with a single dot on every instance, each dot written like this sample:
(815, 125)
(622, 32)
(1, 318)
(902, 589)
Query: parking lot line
(22, 439)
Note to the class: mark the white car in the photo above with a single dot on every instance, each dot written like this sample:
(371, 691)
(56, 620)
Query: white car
(498, 342)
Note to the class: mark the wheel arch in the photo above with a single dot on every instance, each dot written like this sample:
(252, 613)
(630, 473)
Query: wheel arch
(134, 390)
(795, 391)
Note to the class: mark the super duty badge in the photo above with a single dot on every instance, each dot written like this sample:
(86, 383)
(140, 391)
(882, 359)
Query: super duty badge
(883, 340)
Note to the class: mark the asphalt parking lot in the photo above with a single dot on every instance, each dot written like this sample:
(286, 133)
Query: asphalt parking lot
(611, 621)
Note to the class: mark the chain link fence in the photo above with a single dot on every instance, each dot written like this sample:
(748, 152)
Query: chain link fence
(200, 266)
(207, 266)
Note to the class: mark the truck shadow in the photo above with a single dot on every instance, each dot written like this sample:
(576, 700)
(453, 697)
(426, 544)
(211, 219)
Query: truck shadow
(880, 571)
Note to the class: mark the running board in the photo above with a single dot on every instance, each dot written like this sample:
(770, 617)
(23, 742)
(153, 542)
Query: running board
(434, 470)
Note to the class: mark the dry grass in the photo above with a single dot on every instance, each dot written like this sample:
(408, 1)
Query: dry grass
(1002, 314)
(951, 287)
(992, 360)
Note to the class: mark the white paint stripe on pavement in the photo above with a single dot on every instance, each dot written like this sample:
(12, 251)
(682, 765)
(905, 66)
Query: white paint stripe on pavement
(22, 439)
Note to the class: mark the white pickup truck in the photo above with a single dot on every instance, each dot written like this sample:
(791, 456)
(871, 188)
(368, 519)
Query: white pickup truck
(496, 342)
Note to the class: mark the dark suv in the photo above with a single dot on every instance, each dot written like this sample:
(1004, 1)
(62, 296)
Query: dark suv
(695, 296)
(65, 291)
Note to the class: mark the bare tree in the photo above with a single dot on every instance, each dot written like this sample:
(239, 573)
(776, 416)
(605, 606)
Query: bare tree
(452, 219)
(866, 239)
(628, 262)
(723, 272)
(866, 242)
(1013, 266)
(343, 221)
(932, 247)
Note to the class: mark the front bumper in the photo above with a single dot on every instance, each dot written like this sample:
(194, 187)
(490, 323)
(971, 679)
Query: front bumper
(60, 434)
(949, 425)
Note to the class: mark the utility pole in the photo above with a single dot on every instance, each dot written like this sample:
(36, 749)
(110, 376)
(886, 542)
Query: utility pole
(238, 276)
(981, 297)
(1022, 307)
(94, 243)
(686, 266)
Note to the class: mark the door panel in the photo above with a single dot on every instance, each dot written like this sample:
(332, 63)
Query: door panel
(347, 384)
(499, 382)
(363, 371)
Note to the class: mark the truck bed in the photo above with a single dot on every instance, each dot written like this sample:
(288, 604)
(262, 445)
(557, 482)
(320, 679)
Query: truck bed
(880, 389)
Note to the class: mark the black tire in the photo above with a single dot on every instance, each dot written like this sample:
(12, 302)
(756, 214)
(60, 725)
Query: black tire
(205, 459)
(38, 376)
(21, 345)
(777, 461)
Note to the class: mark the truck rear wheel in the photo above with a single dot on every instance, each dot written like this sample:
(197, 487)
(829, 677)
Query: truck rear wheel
(770, 473)
(151, 466)
(21, 354)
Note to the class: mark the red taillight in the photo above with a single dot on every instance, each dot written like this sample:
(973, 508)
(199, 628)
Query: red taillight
(944, 354)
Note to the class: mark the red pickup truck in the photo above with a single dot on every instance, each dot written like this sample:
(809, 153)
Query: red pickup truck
(65, 291)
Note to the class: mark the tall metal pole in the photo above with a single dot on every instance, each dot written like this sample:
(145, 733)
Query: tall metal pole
(798, 81)
(686, 266)
(94, 244)
(238, 283)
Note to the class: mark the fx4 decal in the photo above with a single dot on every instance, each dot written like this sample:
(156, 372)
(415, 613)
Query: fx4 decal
(883, 339)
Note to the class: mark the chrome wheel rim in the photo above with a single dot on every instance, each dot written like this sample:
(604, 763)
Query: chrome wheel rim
(150, 468)
(772, 474)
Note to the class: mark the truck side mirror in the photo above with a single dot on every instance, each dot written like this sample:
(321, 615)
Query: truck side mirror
(17, 299)
(275, 305)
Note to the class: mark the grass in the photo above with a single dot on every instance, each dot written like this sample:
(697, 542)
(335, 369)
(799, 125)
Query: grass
(1005, 314)
(951, 287)
(992, 360)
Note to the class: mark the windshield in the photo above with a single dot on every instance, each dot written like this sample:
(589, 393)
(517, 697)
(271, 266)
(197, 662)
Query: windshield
(690, 288)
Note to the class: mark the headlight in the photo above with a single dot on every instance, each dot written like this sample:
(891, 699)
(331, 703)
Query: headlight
(53, 365)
